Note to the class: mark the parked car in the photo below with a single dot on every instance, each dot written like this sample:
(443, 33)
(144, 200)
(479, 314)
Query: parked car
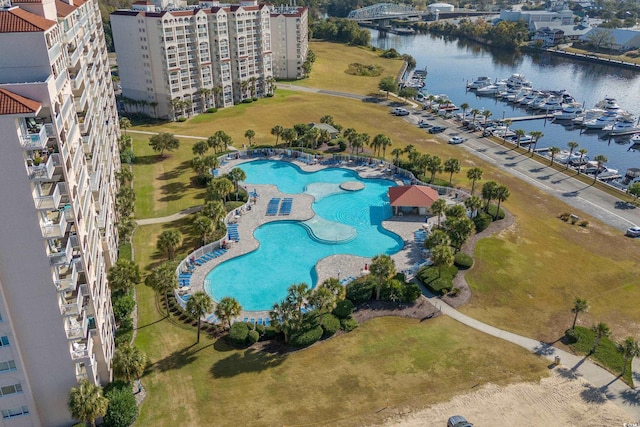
(457, 140)
(458, 421)
(437, 129)
(424, 125)
(399, 111)
(633, 232)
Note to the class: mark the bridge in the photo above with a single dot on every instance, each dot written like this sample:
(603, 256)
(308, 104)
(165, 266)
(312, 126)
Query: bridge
(384, 11)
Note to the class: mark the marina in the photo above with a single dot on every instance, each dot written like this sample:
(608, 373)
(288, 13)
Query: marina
(455, 65)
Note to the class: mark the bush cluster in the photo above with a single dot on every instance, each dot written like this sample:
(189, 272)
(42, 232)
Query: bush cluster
(343, 309)
(239, 333)
(306, 337)
(436, 281)
(463, 261)
(348, 324)
(212, 110)
(122, 410)
(360, 291)
(482, 221)
(330, 325)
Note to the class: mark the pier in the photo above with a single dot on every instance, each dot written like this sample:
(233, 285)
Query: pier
(536, 117)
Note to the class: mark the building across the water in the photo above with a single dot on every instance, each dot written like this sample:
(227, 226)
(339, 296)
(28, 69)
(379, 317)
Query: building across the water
(179, 61)
(58, 159)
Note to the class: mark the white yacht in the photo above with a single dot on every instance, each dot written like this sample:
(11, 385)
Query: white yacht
(540, 99)
(528, 98)
(588, 115)
(514, 97)
(608, 118)
(518, 80)
(480, 82)
(624, 125)
(609, 104)
(569, 111)
(553, 103)
(492, 89)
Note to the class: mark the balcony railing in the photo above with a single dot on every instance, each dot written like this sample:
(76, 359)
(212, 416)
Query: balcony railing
(37, 140)
(62, 256)
(54, 52)
(52, 201)
(71, 306)
(54, 230)
(82, 348)
(76, 81)
(67, 278)
(44, 172)
(60, 80)
(76, 329)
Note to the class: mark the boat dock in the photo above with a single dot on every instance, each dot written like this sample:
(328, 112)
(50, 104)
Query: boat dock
(536, 117)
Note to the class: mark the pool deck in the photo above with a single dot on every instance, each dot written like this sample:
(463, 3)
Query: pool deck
(340, 266)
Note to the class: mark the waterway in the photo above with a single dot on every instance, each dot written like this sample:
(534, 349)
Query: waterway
(451, 63)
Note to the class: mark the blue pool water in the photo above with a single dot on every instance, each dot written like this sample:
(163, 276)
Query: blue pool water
(289, 250)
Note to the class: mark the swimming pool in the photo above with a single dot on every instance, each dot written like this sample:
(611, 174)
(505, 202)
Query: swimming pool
(289, 250)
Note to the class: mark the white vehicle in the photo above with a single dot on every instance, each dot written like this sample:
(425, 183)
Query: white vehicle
(399, 111)
(457, 140)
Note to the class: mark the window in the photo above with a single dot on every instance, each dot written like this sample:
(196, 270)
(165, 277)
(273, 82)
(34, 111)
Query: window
(4, 341)
(15, 412)
(11, 389)
(9, 365)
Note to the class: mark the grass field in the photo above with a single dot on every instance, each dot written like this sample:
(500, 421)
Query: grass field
(524, 279)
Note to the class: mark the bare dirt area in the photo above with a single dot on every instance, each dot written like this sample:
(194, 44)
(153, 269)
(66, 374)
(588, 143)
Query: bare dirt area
(559, 400)
(421, 309)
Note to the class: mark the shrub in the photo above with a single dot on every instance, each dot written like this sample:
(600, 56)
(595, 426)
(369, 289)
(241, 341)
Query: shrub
(253, 337)
(564, 216)
(343, 309)
(306, 338)
(238, 333)
(455, 292)
(123, 305)
(492, 211)
(330, 325)
(392, 291)
(212, 110)
(259, 329)
(583, 223)
(348, 324)
(359, 291)
(254, 99)
(342, 145)
(482, 221)
(411, 292)
(247, 101)
(182, 119)
(440, 286)
(570, 336)
(269, 95)
(270, 332)
(122, 410)
(462, 261)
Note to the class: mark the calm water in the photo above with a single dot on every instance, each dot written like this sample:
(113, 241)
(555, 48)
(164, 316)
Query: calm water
(288, 251)
(451, 63)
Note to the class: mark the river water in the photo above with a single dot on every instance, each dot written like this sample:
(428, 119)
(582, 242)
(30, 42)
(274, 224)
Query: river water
(452, 63)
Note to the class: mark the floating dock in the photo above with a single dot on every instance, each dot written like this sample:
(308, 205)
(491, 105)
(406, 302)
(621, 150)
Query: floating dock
(536, 117)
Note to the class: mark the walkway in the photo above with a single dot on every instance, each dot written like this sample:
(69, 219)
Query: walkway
(202, 138)
(170, 218)
(605, 385)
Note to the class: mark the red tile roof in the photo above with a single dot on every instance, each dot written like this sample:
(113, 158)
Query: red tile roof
(11, 103)
(412, 195)
(64, 9)
(16, 20)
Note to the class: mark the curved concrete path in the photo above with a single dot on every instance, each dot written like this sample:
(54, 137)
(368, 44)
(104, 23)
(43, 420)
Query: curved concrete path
(170, 218)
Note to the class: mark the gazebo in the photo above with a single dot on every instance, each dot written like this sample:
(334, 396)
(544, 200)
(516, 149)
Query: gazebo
(412, 199)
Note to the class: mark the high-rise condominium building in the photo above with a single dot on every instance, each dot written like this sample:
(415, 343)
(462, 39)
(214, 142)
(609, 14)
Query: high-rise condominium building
(289, 41)
(177, 61)
(58, 156)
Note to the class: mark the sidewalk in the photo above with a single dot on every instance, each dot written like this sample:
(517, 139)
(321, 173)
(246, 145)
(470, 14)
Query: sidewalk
(605, 385)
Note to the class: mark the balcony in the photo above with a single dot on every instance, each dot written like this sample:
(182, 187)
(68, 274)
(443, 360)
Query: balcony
(58, 255)
(81, 349)
(43, 172)
(50, 196)
(36, 137)
(71, 303)
(54, 225)
(54, 52)
(78, 79)
(76, 327)
(60, 81)
(66, 277)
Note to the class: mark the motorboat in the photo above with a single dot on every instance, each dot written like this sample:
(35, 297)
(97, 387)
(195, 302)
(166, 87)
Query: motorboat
(518, 80)
(553, 103)
(524, 140)
(528, 98)
(565, 156)
(514, 97)
(624, 125)
(569, 111)
(480, 82)
(591, 167)
(608, 118)
(588, 115)
(502, 132)
(609, 104)
(539, 100)
(492, 89)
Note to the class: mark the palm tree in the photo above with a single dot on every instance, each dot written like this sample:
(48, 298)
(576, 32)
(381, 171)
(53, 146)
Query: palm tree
(123, 275)
(168, 241)
(629, 348)
(199, 148)
(87, 403)
(486, 114)
(519, 134)
(297, 295)
(198, 305)
(277, 132)
(338, 290)
(437, 238)
(501, 195)
(579, 306)
(322, 299)
(464, 107)
(236, 175)
(600, 159)
(250, 134)
(283, 317)
(601, 330)
(289, 135)
(154, 105)
(437, 208)
(176, 104)
(202, 225)
(474, 174)
(507, 123)
(162, 279)
(473, 203)
(434, 165)
(129, 363)
(125, 124)
(380, 141)
(382, 269)
(442, 256)
(206, 93)
(227, 309)
(396, 152)
(553, 151)
(452, 166)
(215, 210)
(219, 188)
(217, 90)
(488, 193)
(475, 113)
(572, 146)
(535, 137)
(582, 152)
